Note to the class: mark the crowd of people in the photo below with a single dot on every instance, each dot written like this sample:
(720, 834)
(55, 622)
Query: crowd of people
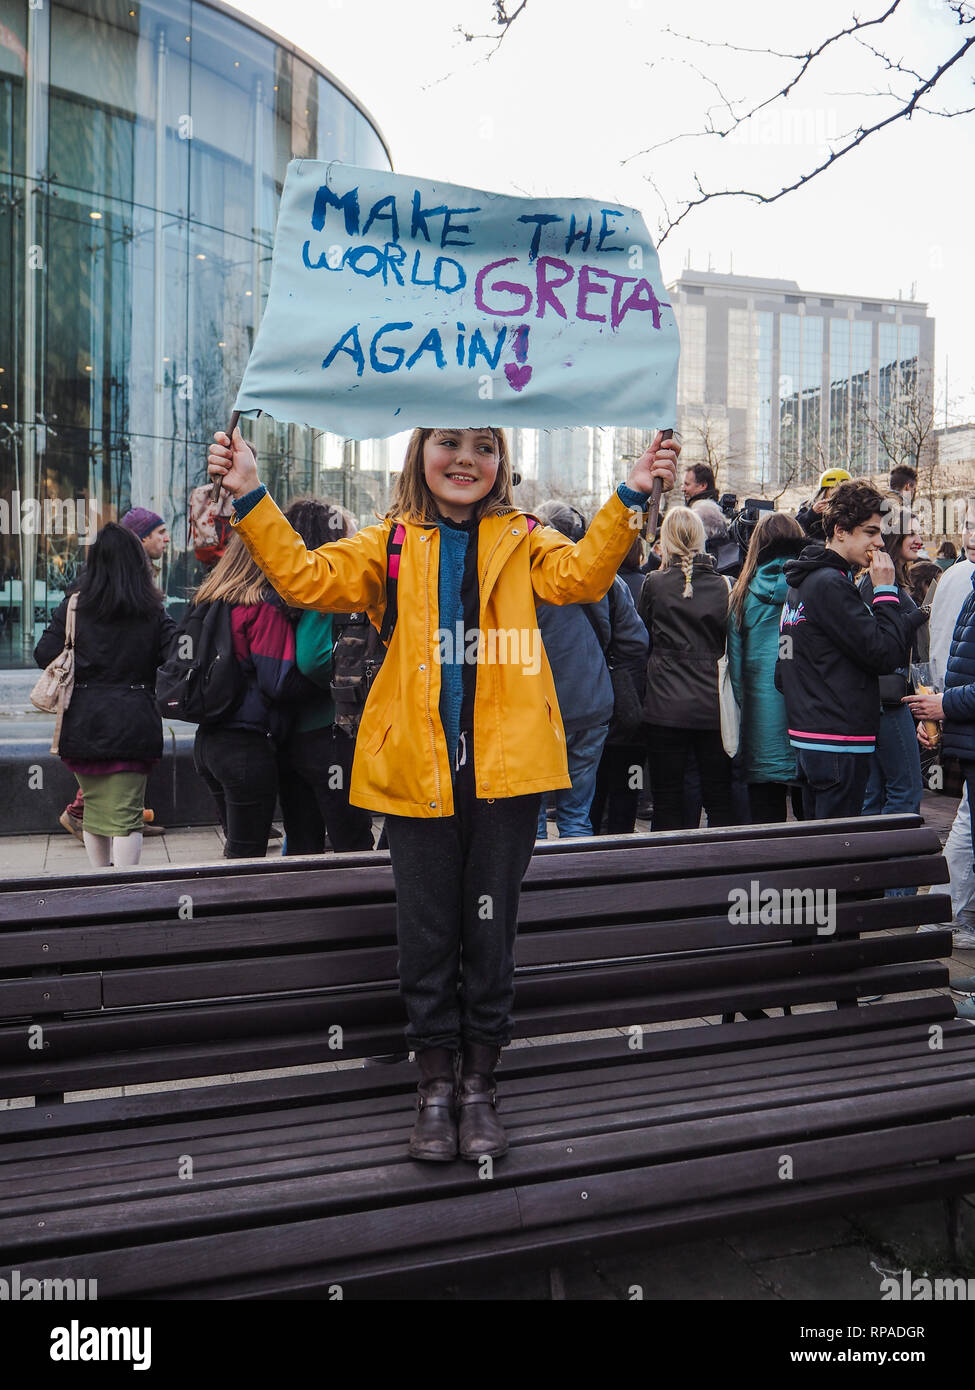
(817, 625)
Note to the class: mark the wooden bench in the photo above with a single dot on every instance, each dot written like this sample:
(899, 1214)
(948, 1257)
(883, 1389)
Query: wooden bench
(293, 1185)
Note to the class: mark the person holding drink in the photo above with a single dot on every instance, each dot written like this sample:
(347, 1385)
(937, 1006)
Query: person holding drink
(952, 713)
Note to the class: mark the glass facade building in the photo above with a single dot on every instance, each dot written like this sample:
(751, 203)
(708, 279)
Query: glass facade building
(143, 147)
(781, 385)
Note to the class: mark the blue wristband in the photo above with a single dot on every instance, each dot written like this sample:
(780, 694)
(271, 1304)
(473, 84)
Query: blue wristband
(248, 501)
(631, 498)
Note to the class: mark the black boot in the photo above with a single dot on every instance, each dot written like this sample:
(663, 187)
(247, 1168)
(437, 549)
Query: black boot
(480, 1131)
(434, 1136)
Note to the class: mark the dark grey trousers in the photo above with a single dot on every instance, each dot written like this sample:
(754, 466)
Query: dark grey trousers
(458, 881)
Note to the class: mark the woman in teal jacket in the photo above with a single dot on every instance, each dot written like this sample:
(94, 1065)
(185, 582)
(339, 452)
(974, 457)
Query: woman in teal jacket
(766, 758)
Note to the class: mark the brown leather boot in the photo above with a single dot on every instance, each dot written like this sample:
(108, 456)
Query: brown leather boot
(434, 1136)
(480, 1132)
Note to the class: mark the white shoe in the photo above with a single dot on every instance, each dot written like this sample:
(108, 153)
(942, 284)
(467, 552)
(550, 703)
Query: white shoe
(962, 935)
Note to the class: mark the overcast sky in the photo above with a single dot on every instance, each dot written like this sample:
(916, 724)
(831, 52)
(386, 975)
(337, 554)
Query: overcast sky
(578, 90)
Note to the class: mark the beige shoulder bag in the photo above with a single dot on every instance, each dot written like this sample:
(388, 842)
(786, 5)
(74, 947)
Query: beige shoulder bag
(52, 693)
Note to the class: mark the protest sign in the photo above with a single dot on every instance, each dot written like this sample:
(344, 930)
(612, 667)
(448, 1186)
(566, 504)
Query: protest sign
(397, 302)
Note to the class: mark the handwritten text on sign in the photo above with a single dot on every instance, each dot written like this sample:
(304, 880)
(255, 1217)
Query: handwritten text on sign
(396, 302)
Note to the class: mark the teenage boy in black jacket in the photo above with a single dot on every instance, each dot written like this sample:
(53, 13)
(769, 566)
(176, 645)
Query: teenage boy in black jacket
(832, 648)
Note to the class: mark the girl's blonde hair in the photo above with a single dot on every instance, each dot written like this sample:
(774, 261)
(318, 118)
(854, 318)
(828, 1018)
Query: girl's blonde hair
(235, 578)
(681, 538)
(413, 500)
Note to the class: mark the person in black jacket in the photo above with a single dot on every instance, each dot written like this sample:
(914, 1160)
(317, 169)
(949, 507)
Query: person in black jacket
(112, 732)
(237, 756)
(315, 760)
(684, 605)
(833, 649)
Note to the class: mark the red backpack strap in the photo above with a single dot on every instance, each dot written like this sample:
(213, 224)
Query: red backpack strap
(394, 547)
(532, 522)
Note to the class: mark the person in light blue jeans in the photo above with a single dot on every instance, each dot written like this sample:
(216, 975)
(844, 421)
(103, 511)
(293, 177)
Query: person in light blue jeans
(584, 750)
(895, 783)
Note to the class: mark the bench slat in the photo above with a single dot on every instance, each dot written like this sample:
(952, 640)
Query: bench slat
(313, 863)
(269, 975)
(326, 1116)
(364, 1097)
(556, 1200)
(332, 1141)
(47, 995)
(368, 1014)
(713, 892)
(198, 937)
(73, 1122)
(155, 898)
(375, 925)
(382, 1275)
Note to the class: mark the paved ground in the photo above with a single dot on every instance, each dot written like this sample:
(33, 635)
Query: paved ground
(843, 1257)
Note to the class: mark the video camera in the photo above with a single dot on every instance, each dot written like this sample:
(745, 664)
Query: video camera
(746, 518)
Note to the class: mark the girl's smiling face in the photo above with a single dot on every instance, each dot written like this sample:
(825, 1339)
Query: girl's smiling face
(460, 467)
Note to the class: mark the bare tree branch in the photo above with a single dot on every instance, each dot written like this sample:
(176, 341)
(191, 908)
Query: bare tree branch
(853, 142)
(949, 115)
(501, 18)
(710, 129)
(805, 60)
(888, 62)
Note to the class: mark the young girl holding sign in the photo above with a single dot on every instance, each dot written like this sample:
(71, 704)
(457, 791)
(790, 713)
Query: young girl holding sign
(452, 749)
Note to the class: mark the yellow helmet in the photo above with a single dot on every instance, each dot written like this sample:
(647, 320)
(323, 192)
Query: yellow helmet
(832, 476)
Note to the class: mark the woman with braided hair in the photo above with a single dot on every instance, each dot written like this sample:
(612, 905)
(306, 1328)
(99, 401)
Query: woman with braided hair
(685, 607)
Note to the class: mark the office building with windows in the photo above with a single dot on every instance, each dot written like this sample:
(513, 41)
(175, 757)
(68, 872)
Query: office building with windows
(143, 148)
(777, 384)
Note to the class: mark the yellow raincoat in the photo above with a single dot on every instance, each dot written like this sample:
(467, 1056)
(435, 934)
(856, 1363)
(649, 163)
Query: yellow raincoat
(401, 761)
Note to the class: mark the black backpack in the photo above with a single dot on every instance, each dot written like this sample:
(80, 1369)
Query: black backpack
(357, 654)
(358, 649)
(201, 681)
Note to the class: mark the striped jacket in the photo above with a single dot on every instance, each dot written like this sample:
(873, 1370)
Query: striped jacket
(832, 649)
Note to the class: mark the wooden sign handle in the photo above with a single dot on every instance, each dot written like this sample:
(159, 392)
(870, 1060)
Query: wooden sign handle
(653, 512)
(217, 489)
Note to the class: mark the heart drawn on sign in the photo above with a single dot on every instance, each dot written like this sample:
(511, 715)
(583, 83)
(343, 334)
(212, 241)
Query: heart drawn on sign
(518, 374)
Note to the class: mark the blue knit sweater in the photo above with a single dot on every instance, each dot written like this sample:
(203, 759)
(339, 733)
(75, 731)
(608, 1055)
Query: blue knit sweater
(453, 550)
